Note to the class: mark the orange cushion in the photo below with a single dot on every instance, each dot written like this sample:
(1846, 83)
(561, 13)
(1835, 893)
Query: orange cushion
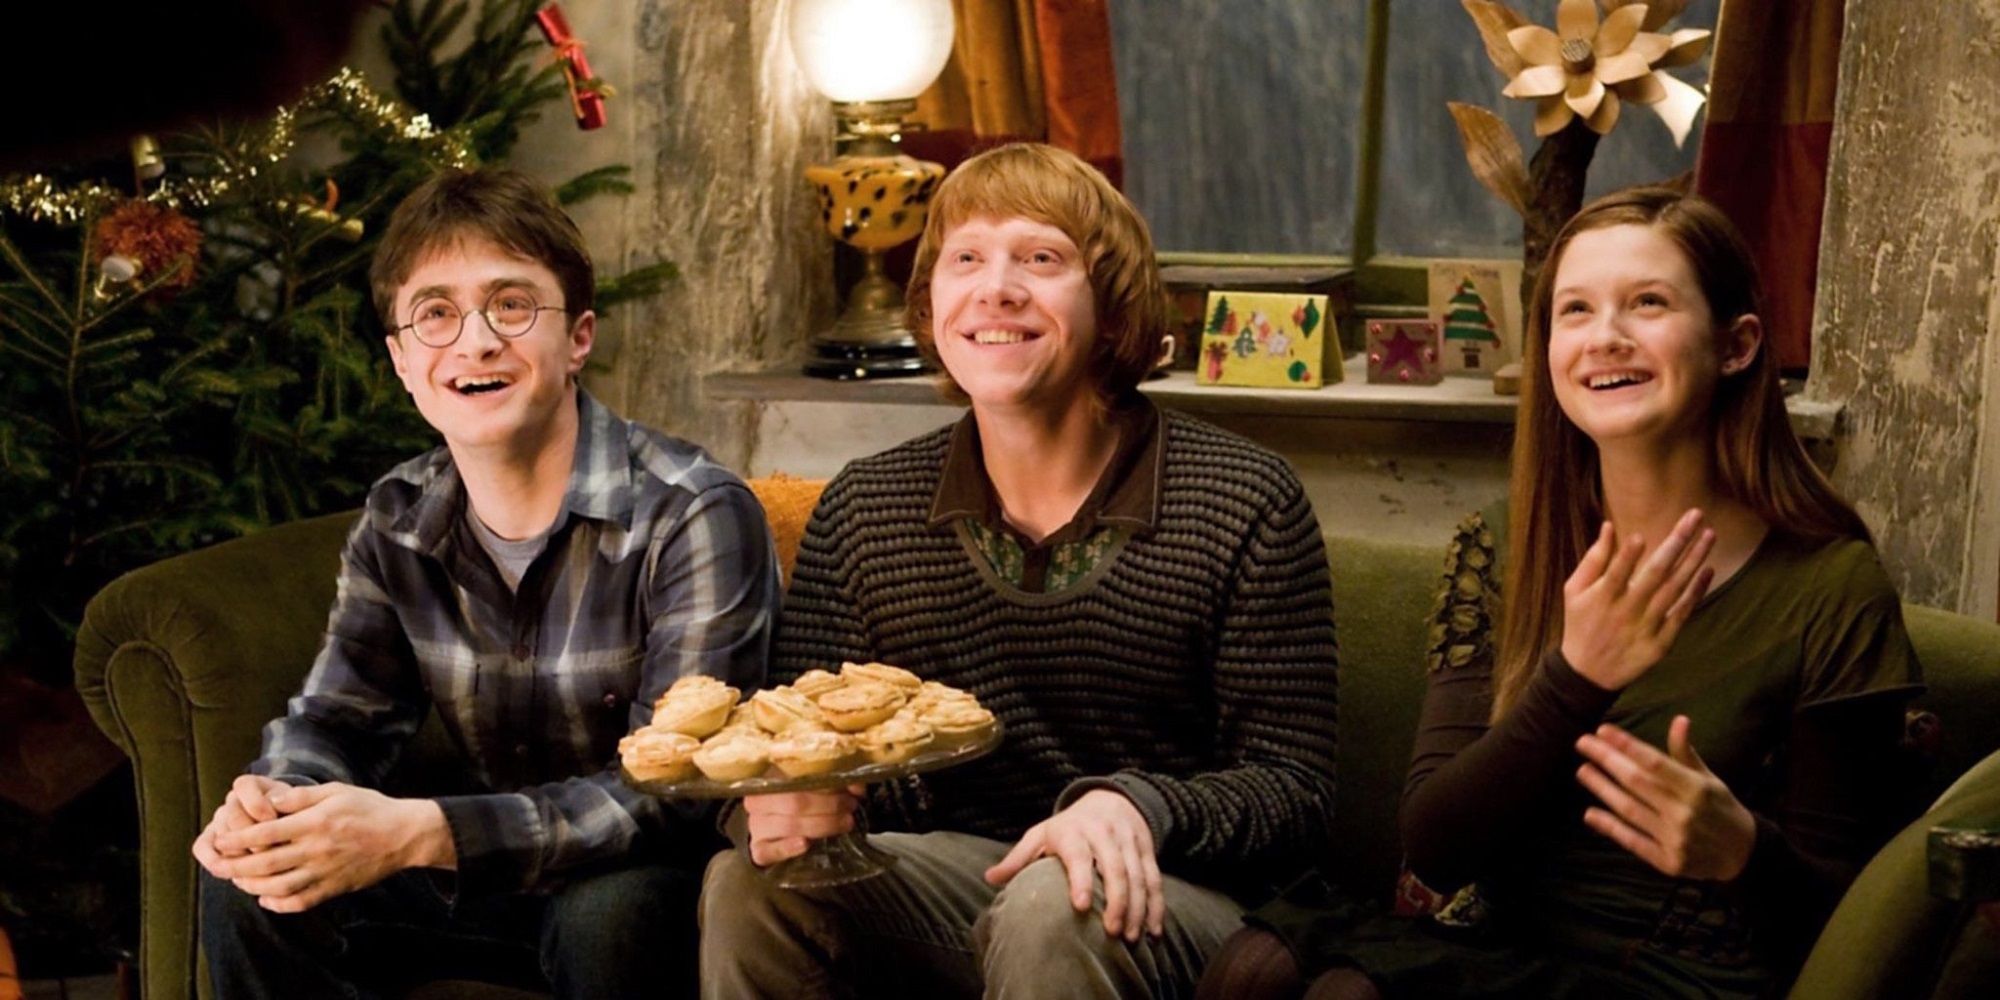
(788, 503)
(10, 974)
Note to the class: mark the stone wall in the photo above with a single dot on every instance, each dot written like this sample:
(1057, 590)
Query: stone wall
(718, 126)
(1907, 303)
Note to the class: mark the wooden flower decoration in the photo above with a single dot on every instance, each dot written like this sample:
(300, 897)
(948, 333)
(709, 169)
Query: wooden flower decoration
(1583, 71)
(1589, 66)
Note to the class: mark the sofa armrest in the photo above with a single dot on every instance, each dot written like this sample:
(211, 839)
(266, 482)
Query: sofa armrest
(1890, 934)
(181, 663)
(231, 629)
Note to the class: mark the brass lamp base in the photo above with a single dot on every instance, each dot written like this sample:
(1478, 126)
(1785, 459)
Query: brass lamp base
(853, 362)
(868, 340)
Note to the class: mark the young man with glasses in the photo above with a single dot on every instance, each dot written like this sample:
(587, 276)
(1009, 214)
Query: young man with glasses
(540, 580)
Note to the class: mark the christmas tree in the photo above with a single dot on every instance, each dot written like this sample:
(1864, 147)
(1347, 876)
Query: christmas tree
(191, 348)
(1468, 322)
(191, 353)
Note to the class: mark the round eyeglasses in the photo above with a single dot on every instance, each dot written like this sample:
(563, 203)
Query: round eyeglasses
(509, 313)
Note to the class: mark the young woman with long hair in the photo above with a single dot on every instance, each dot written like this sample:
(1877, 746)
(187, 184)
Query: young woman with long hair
(1653, 768)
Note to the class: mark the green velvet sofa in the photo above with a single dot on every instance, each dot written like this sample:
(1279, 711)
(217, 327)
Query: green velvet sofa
(183, 661)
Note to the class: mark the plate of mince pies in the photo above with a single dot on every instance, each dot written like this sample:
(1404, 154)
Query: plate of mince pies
(868, 722)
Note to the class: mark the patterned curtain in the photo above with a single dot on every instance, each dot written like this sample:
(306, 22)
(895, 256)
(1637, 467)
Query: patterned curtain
(1764, 149)
(1024, 70)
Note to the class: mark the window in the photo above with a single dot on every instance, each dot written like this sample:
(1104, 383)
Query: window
(1244, 128)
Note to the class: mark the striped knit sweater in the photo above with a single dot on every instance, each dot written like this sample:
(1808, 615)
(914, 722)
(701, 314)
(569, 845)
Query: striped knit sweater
(1192, 671)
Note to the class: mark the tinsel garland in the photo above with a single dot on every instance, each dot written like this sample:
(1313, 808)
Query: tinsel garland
(40, 199)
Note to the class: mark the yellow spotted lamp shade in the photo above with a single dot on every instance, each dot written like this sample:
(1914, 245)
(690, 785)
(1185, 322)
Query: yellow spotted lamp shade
(874, 203)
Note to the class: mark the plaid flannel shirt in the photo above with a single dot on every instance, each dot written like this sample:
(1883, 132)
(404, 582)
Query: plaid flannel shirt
(659, 565)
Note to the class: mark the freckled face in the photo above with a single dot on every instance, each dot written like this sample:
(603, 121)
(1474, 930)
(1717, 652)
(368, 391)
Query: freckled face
(1013, 314)
(1633, 349)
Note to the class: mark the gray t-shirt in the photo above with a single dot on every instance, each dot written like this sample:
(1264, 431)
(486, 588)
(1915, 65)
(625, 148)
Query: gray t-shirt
(511, 558)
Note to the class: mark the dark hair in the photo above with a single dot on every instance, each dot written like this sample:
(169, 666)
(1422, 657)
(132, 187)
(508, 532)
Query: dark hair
(1056, 188)
(504, 206)
(1556, 502)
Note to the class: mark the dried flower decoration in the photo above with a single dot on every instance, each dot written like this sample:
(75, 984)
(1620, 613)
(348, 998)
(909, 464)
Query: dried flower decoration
(162, 242)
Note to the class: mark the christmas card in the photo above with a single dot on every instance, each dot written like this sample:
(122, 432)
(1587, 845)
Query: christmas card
(1476, 305)
(1270, 339)
(1404, 352)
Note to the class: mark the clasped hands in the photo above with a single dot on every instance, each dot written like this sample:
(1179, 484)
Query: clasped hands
(296, 847)
(1622, 610)
(1101, 835)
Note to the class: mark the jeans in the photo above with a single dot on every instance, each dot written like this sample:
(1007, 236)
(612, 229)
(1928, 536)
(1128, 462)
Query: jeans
(932, 927)
(626, 932)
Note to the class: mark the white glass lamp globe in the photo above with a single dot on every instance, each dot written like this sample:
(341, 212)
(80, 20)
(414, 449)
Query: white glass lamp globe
(871, 50)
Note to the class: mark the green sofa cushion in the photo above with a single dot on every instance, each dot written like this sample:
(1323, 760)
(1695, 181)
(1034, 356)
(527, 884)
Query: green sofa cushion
(1382, 594)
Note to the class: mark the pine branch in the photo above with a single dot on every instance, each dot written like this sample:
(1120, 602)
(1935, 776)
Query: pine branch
(52, 353)
(634, 284)
(116, 363)
(53, 367)
(412, 37)
(187, 470)
(182, 372)
(83, 262)
(33, 278)
(138, 336)
(591, 183)
(27, 308)
(29, 419)
(345, 263)
(98, 538)
(499, 41)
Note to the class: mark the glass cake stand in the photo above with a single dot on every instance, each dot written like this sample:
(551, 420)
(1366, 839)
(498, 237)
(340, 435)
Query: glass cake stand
(840, 859)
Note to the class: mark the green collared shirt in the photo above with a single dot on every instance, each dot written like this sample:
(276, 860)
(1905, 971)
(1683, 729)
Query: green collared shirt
(1125, 502)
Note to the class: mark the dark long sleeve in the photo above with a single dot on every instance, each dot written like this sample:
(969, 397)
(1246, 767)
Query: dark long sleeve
(1842, 798)
(1794, 674)
(1476, 791)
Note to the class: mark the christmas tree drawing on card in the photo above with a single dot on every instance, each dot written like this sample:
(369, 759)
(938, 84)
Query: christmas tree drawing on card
(1473, 304)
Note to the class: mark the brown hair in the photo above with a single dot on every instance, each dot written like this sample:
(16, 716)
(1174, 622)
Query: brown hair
(1054, 187)
(1556, 503)
(503, 206)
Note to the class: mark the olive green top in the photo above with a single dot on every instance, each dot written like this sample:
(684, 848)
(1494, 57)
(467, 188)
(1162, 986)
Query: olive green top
(1793, 673)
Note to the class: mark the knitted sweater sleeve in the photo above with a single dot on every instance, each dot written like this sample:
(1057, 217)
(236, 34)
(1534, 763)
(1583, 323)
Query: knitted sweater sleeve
(1269, 799)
